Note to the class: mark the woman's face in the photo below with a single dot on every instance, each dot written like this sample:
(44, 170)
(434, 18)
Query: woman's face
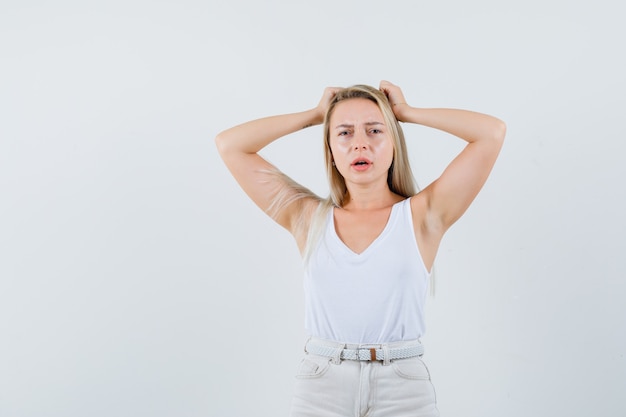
(360, 142)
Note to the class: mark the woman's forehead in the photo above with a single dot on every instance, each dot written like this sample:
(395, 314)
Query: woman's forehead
(356, 111)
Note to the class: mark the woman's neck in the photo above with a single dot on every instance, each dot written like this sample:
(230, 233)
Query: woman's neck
(370, 198)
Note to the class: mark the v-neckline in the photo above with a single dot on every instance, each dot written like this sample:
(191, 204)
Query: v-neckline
(373, 243)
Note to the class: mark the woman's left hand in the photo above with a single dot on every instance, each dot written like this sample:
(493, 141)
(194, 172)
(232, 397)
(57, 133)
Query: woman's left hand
(396, 98)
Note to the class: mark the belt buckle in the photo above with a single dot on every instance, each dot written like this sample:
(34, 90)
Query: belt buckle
(373, 356)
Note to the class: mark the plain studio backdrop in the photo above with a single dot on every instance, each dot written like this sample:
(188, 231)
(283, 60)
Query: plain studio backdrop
(136, 278)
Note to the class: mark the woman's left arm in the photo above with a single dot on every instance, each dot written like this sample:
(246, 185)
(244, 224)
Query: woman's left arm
(451, 194)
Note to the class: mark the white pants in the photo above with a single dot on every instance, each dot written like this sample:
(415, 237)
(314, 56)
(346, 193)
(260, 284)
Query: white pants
(330, 388)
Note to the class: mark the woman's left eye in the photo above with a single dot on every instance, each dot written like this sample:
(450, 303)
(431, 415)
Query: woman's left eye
(375, 131)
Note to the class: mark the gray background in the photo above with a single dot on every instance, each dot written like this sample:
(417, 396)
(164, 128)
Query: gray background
(136, 279)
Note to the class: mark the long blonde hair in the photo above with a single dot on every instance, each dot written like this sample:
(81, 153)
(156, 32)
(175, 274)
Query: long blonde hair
(400, 177)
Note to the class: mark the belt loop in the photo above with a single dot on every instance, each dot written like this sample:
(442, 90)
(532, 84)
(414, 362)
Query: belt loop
(386, 360)
(336, 358)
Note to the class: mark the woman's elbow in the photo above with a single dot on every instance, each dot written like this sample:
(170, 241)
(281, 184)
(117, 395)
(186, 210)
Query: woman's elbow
(221, 142)
(495, 133)
(499, 131)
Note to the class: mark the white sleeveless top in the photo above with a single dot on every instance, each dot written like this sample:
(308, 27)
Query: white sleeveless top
(376, 296)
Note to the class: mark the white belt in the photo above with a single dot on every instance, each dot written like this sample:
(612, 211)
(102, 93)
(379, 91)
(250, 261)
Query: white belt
(378, 353)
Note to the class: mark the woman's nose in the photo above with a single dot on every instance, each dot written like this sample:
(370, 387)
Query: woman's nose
(360, 142)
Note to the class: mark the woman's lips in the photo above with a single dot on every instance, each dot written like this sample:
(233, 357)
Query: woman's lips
(361, 164)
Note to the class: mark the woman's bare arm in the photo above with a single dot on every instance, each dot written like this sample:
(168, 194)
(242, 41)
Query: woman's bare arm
(448, 197)
(239, 147)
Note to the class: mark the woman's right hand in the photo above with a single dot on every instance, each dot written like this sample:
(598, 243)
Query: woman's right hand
(322, 107)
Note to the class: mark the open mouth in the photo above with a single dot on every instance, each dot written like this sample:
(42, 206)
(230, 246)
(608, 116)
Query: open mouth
(361, 162)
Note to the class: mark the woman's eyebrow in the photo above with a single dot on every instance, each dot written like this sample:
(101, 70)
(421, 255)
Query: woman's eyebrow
(346, 125)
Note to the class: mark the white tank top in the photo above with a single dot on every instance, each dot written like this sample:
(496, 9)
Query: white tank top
(376, 296)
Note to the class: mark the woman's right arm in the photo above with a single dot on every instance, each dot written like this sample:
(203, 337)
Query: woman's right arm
(239, 147)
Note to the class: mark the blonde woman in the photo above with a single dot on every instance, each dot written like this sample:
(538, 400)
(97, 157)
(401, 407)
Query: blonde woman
(369, 248)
